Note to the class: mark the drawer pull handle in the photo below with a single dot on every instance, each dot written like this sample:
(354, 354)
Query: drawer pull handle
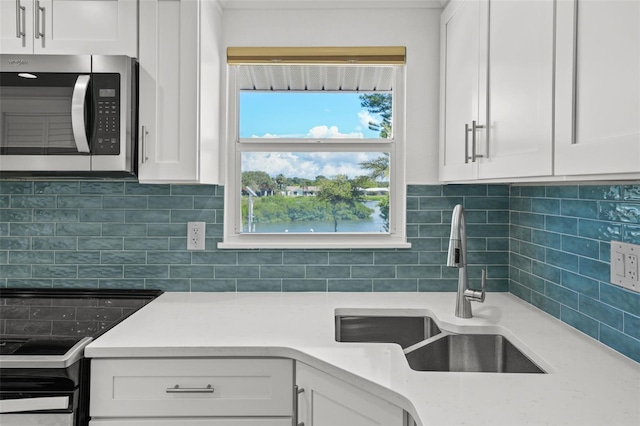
(178, 389)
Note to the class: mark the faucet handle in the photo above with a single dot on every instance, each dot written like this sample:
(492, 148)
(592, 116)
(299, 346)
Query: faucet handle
(477, 295)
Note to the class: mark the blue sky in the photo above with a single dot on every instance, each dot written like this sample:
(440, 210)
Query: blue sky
(305, 115)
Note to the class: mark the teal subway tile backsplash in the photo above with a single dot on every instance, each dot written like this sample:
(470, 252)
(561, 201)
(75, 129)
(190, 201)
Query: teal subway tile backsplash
(121, 232)
(66, 187)
(549, 245)
(92, 187)
(571, 280)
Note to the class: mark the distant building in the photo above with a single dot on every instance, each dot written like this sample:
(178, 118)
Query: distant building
(301, 191)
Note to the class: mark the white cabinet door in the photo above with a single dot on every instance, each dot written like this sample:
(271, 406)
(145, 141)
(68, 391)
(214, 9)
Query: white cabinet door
(497, 71)
(168, 89)
(16, 26)
(96, 27)
(598, 87)
(520, 100)
(179, 91)
(460, 86)
(327, 401)
(52, 27)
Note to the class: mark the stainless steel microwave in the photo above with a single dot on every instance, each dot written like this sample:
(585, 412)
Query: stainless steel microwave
(68, 115)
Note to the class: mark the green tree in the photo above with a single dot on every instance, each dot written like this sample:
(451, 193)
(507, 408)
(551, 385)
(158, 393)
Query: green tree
(258, 181)
(379, 103)
(384, 212)
(318, 179)
(378, 167)
(281, 181)
(340, 194)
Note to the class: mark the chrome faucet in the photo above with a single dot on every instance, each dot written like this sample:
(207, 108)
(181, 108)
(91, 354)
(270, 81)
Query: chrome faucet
(457, 258)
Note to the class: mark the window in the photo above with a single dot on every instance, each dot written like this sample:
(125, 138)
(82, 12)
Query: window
(315, 151)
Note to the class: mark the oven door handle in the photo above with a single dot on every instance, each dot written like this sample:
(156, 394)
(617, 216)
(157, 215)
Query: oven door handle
(34, 404)
(78, 113)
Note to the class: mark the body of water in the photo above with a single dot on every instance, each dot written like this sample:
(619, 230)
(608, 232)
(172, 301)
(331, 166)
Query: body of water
(374, 223)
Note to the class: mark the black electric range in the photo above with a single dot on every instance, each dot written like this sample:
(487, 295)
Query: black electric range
(43, 373)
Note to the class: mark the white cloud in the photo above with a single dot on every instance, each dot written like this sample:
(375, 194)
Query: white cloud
(274, 136)
(306, 164)
(274, 163)
(310, 164)
(365, 118)
(325, 132)
(316, 132)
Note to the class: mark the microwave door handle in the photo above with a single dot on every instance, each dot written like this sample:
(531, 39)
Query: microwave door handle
(78, 113)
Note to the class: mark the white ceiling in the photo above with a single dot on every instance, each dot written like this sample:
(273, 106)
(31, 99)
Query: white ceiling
(331, 4)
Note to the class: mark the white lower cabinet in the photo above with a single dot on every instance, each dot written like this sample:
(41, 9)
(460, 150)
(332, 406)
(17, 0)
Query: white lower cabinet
(324, 400)
(191, 391)
(229, 392)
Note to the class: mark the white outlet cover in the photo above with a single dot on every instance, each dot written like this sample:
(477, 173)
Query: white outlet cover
(624, 265)
(196, 235)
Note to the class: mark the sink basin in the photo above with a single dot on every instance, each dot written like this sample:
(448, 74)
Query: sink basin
(405, 331)
(488, 353)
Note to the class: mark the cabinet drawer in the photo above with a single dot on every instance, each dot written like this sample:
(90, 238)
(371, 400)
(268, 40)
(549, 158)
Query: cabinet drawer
(205, 387)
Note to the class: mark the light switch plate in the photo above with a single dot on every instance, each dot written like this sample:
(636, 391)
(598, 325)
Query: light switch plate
(624, 265)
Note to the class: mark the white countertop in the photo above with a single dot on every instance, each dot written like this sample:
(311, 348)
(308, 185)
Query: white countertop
(587, 383)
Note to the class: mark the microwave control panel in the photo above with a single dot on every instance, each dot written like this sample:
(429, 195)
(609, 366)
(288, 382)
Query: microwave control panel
(106, 95)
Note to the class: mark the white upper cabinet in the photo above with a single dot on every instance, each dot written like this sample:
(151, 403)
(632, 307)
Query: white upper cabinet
(496, 89)
(519, 123)
(598, 87)
(97, 27)
(179, 91)
(460, 91)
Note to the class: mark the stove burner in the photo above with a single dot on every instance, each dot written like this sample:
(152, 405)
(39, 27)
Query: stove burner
(52, 321)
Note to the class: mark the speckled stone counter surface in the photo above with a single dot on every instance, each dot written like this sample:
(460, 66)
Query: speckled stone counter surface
(587, 383)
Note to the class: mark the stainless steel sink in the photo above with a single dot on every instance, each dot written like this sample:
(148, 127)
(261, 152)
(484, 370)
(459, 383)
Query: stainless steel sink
(471, 353)
(405, 331)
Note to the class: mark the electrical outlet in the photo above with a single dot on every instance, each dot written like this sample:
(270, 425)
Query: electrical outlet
(195, 235)
(631, 267)
(624, 265)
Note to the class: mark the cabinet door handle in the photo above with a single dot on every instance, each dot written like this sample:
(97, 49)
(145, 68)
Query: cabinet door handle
(39, 12)
(20, 20)
(178, 389)
(474, 154)
(143, 143)
(296, 392)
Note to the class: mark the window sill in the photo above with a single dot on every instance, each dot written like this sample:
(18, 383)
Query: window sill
(316, 241)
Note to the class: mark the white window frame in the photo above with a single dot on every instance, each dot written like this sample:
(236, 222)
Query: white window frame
(233, 238)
